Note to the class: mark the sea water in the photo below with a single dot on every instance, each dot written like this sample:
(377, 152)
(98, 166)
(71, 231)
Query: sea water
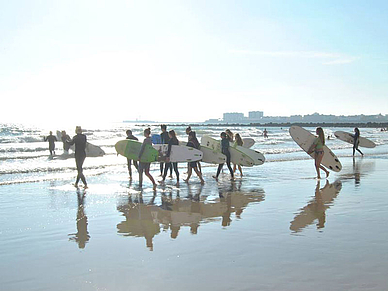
(25, 157)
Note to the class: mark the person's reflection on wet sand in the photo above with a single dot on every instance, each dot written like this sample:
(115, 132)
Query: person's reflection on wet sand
(356, 171)
(82, 235)
(316, 208)
(140, 219)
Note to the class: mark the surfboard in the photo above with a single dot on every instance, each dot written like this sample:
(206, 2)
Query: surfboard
(91, 149)
(248, 142)
(257, 157)
(212, 156)
(131, 149)
(179, 153)
(236, 156)
(305, 139)
(348, 137)
(156, 139)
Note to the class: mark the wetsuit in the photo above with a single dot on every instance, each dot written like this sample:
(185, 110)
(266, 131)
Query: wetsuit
(66, 145)
(51, 139)
(356, 142)
(192, 144)
(225, 150)
(79, 141)
(165, 139)
(144, 166)
(171, 142)
(129, 161)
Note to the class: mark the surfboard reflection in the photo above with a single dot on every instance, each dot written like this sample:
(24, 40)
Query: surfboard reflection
(176, 213)
(315, 210)
(81, 237)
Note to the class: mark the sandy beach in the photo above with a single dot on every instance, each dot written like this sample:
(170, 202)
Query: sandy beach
(276, 228)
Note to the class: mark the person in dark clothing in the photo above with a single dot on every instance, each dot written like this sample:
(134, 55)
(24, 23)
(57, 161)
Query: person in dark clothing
(51, 139)
(225, 150)
(165, 139)
(145, 167)
(65, 137)
(193, 142)
(173, 141)
(129, 161)
(356, 141)
(188, 132)
(79, 141)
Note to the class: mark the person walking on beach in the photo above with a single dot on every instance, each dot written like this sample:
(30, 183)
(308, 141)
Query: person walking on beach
(193, 142)
(145, 167)
(317, 147)
(356, 141)
(79, 140)
(65, 137)
(173, 141)
(129, 161)
(165, 139)
(238, 142)
(188, 132)
(225, 150)
(51, 139)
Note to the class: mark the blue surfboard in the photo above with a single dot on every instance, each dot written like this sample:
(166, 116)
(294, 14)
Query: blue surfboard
(156, 139)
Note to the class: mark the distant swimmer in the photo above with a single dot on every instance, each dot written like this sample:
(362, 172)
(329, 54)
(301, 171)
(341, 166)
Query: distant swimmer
(51, 139)
(356, 141)
(317, 147)
(225, 150)
(129, 161)
(265, 133)
(145, 167)
(79, 141)
(65, 137)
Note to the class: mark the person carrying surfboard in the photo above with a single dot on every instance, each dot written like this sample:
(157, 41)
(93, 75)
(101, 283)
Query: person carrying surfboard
(193, 142)
(238, 142)
(129, 161)
(317, 147)
(356, 141)
(188, 132)
(165, 139)
(145, 167)
(173, 141)
(225, 150)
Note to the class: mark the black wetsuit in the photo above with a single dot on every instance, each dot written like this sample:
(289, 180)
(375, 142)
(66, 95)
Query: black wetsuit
(129, 161)
(225, 150)
(51, 139)
(80, 154)
(172, 141)
(192, 145)
(66, 145)
(165, 139)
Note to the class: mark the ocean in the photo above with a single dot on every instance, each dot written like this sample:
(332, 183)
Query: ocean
(25, 157)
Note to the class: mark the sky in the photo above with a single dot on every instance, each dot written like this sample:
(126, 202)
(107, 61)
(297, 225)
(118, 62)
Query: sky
(189, 60)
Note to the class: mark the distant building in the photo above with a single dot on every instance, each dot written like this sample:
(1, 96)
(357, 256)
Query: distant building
(234, 117)
(255, 115)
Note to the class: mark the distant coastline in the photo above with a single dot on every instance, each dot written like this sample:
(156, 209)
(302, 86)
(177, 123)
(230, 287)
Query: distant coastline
(288, 124)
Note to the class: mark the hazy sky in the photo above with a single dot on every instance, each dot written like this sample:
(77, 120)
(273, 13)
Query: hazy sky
(191, 60)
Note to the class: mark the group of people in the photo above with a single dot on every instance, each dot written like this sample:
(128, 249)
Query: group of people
(170, 138)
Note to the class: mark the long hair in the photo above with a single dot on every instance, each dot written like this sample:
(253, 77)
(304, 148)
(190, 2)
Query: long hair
(238, 139)
(321, 135)
(357, 130)
(193, 139)
(172, 133)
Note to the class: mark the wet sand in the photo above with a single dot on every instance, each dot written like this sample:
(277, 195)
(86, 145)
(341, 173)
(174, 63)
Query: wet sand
(276, 228)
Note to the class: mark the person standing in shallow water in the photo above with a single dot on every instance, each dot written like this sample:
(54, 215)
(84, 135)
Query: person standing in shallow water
(51, 139)
(356, 141)
(317, 148)
(65, 137)
(225, 150)
(145, 167)
(129, 161)
(79, 141)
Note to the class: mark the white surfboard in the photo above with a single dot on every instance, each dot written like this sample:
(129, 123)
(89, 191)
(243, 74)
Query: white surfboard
(91, 149)
(178, 153)
(212, 156)
(236, 156)
(348, 137)
(248, 142)
(305, 139)
(257, 157)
